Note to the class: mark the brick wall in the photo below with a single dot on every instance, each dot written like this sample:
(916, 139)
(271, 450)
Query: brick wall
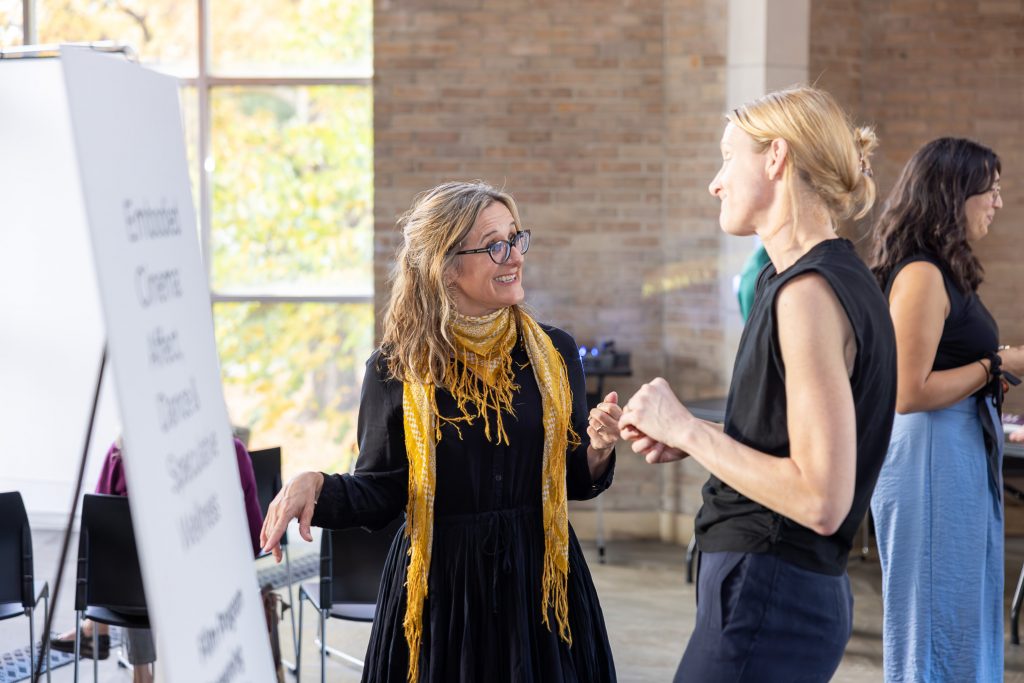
(921, 70)
(602, 118)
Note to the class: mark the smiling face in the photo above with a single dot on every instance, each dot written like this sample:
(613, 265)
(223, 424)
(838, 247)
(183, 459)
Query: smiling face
(480, 285)
(980, 209)
(742, 184)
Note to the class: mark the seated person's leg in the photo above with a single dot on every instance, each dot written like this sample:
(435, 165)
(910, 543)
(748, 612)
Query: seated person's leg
(141, 653)
(66, 641)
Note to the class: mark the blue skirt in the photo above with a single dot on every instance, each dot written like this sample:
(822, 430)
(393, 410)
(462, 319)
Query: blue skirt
(939, 521)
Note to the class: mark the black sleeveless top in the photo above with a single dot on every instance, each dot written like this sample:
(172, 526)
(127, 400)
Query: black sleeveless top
(755, 413)
(969, 333)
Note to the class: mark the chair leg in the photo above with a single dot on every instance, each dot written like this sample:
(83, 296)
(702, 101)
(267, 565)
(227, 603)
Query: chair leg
(78, 642)
(32, 659)
(344, 656)
(691, 549)
(323, 646)
(328, 651)
(291, 608)
(865, 539)
(45, 642)
(95, 652)
(298, 646)
(1018, 597)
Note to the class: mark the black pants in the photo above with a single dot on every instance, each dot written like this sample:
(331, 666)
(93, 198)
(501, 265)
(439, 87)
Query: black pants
(761, 619)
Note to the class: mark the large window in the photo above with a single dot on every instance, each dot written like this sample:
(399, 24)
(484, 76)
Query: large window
(278, 114)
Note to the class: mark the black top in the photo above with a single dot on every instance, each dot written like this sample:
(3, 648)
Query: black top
(755, 413)
(482, 618)
(969, 333)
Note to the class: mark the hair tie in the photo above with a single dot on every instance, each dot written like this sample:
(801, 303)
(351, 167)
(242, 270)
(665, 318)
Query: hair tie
(864, 168)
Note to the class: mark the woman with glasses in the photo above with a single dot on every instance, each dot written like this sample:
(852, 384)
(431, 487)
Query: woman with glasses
(809, 410)
(938, 505)
(473, 422)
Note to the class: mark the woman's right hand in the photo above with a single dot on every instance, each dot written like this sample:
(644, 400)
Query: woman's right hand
(295, 501)
(1013, 360)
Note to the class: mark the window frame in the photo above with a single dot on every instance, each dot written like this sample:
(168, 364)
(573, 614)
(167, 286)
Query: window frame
(204, 83)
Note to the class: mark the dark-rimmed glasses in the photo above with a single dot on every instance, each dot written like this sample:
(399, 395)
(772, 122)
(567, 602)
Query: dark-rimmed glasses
(501, 251)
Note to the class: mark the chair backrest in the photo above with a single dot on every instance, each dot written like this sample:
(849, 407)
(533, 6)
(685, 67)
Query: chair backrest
(352, 561)
(266, 465)
(16, 579)
(108, 560)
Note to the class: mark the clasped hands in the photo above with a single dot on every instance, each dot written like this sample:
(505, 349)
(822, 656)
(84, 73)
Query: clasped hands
(652, 419)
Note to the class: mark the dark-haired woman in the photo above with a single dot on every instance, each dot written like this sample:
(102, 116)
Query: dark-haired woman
(938, 504)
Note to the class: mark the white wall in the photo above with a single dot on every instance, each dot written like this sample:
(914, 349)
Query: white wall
(51, 330)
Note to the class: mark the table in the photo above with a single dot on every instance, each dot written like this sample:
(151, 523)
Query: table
(1013, 463)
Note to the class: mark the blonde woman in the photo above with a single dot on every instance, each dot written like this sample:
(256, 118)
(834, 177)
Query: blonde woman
(473, 422)
(810, 407)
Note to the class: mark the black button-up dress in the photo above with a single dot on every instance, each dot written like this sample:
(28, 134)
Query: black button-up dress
(482, 617)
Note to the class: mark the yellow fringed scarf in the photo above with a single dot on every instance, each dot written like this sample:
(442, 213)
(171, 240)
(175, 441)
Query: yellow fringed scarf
(481, 379)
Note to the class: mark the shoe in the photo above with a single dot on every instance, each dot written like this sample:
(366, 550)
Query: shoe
(68, 645)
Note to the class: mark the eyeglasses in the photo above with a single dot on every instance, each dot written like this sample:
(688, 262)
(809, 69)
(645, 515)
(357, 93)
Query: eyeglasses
(994, 191)
(501, 251)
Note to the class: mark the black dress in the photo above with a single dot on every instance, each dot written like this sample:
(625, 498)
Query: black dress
(482, 616)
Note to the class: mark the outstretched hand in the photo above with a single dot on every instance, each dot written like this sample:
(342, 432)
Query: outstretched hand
(295, 501)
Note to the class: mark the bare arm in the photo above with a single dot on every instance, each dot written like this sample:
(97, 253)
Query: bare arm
(815, 485)
(919, 306)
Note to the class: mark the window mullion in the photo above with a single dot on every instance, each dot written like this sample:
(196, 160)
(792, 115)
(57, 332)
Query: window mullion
(28, 22)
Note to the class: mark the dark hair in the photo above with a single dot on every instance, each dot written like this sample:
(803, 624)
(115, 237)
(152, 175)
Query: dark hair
(925, 211)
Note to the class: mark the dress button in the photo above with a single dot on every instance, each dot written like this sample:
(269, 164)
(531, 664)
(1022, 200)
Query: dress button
(497, 477)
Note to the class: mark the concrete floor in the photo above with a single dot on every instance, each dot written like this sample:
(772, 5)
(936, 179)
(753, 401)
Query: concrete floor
(648, 607)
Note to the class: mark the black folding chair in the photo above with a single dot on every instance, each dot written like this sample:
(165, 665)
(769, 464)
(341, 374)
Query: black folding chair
(351, 562)
(19, 592)
(266, 464)
(109, 585)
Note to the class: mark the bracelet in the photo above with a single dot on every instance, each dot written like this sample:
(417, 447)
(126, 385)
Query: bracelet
(987, 371)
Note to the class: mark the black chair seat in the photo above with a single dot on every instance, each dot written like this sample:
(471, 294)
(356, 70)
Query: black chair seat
(353, 611)
(20, 592)
(11, 609)
(127, 619)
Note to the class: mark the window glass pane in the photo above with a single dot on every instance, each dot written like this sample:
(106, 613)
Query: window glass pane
(274, 37)
(292, 191)
(292, 374)
(162, 32)
(11, 30)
